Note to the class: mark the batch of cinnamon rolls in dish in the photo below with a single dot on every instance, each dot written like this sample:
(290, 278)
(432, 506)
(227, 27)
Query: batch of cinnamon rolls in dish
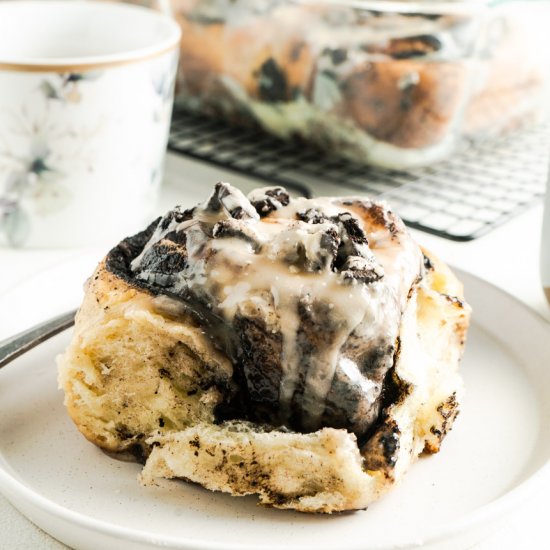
(397, 84)
(304, 350)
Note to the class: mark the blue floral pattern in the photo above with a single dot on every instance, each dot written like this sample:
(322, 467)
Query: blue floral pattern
(67, 86)
(33, 179)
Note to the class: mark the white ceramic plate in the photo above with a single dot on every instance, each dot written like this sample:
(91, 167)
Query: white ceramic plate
(495, 456)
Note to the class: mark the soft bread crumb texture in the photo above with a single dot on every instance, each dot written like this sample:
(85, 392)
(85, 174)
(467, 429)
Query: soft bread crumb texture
(316, 472)
(130, 371)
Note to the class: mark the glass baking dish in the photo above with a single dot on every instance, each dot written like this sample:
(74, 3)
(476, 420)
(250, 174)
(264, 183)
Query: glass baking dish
(394, 84)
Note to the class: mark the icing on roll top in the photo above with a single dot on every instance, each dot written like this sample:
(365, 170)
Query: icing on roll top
(309, 294)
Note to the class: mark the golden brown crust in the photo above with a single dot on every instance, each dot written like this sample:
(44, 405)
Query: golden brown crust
(243, 52)
(420, 114)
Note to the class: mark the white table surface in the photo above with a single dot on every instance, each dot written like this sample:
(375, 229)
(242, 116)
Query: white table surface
(507, 257)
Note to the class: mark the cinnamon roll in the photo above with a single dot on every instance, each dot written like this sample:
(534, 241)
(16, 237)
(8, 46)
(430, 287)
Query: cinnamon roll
(304, 350)
(381, 83)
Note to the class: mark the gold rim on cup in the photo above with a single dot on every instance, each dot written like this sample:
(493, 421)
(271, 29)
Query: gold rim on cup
(82, 67)
(91, 62)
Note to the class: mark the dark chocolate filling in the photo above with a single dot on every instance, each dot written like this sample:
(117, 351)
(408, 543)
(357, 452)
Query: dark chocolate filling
(254, 350)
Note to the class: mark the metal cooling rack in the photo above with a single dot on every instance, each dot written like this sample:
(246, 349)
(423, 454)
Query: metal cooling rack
(460, 199)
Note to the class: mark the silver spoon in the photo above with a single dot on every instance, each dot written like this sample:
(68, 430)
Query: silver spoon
(13, 347)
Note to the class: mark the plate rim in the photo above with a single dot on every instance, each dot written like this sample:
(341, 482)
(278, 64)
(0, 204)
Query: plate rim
(486, 513)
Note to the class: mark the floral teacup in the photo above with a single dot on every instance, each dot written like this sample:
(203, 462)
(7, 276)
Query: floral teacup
(86, 94)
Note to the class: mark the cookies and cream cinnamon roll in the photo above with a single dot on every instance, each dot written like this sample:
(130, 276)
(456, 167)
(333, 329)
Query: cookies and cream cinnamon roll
(305, 350)
(384, 83)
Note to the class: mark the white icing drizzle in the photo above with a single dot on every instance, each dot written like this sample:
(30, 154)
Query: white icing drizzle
(236, 276)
